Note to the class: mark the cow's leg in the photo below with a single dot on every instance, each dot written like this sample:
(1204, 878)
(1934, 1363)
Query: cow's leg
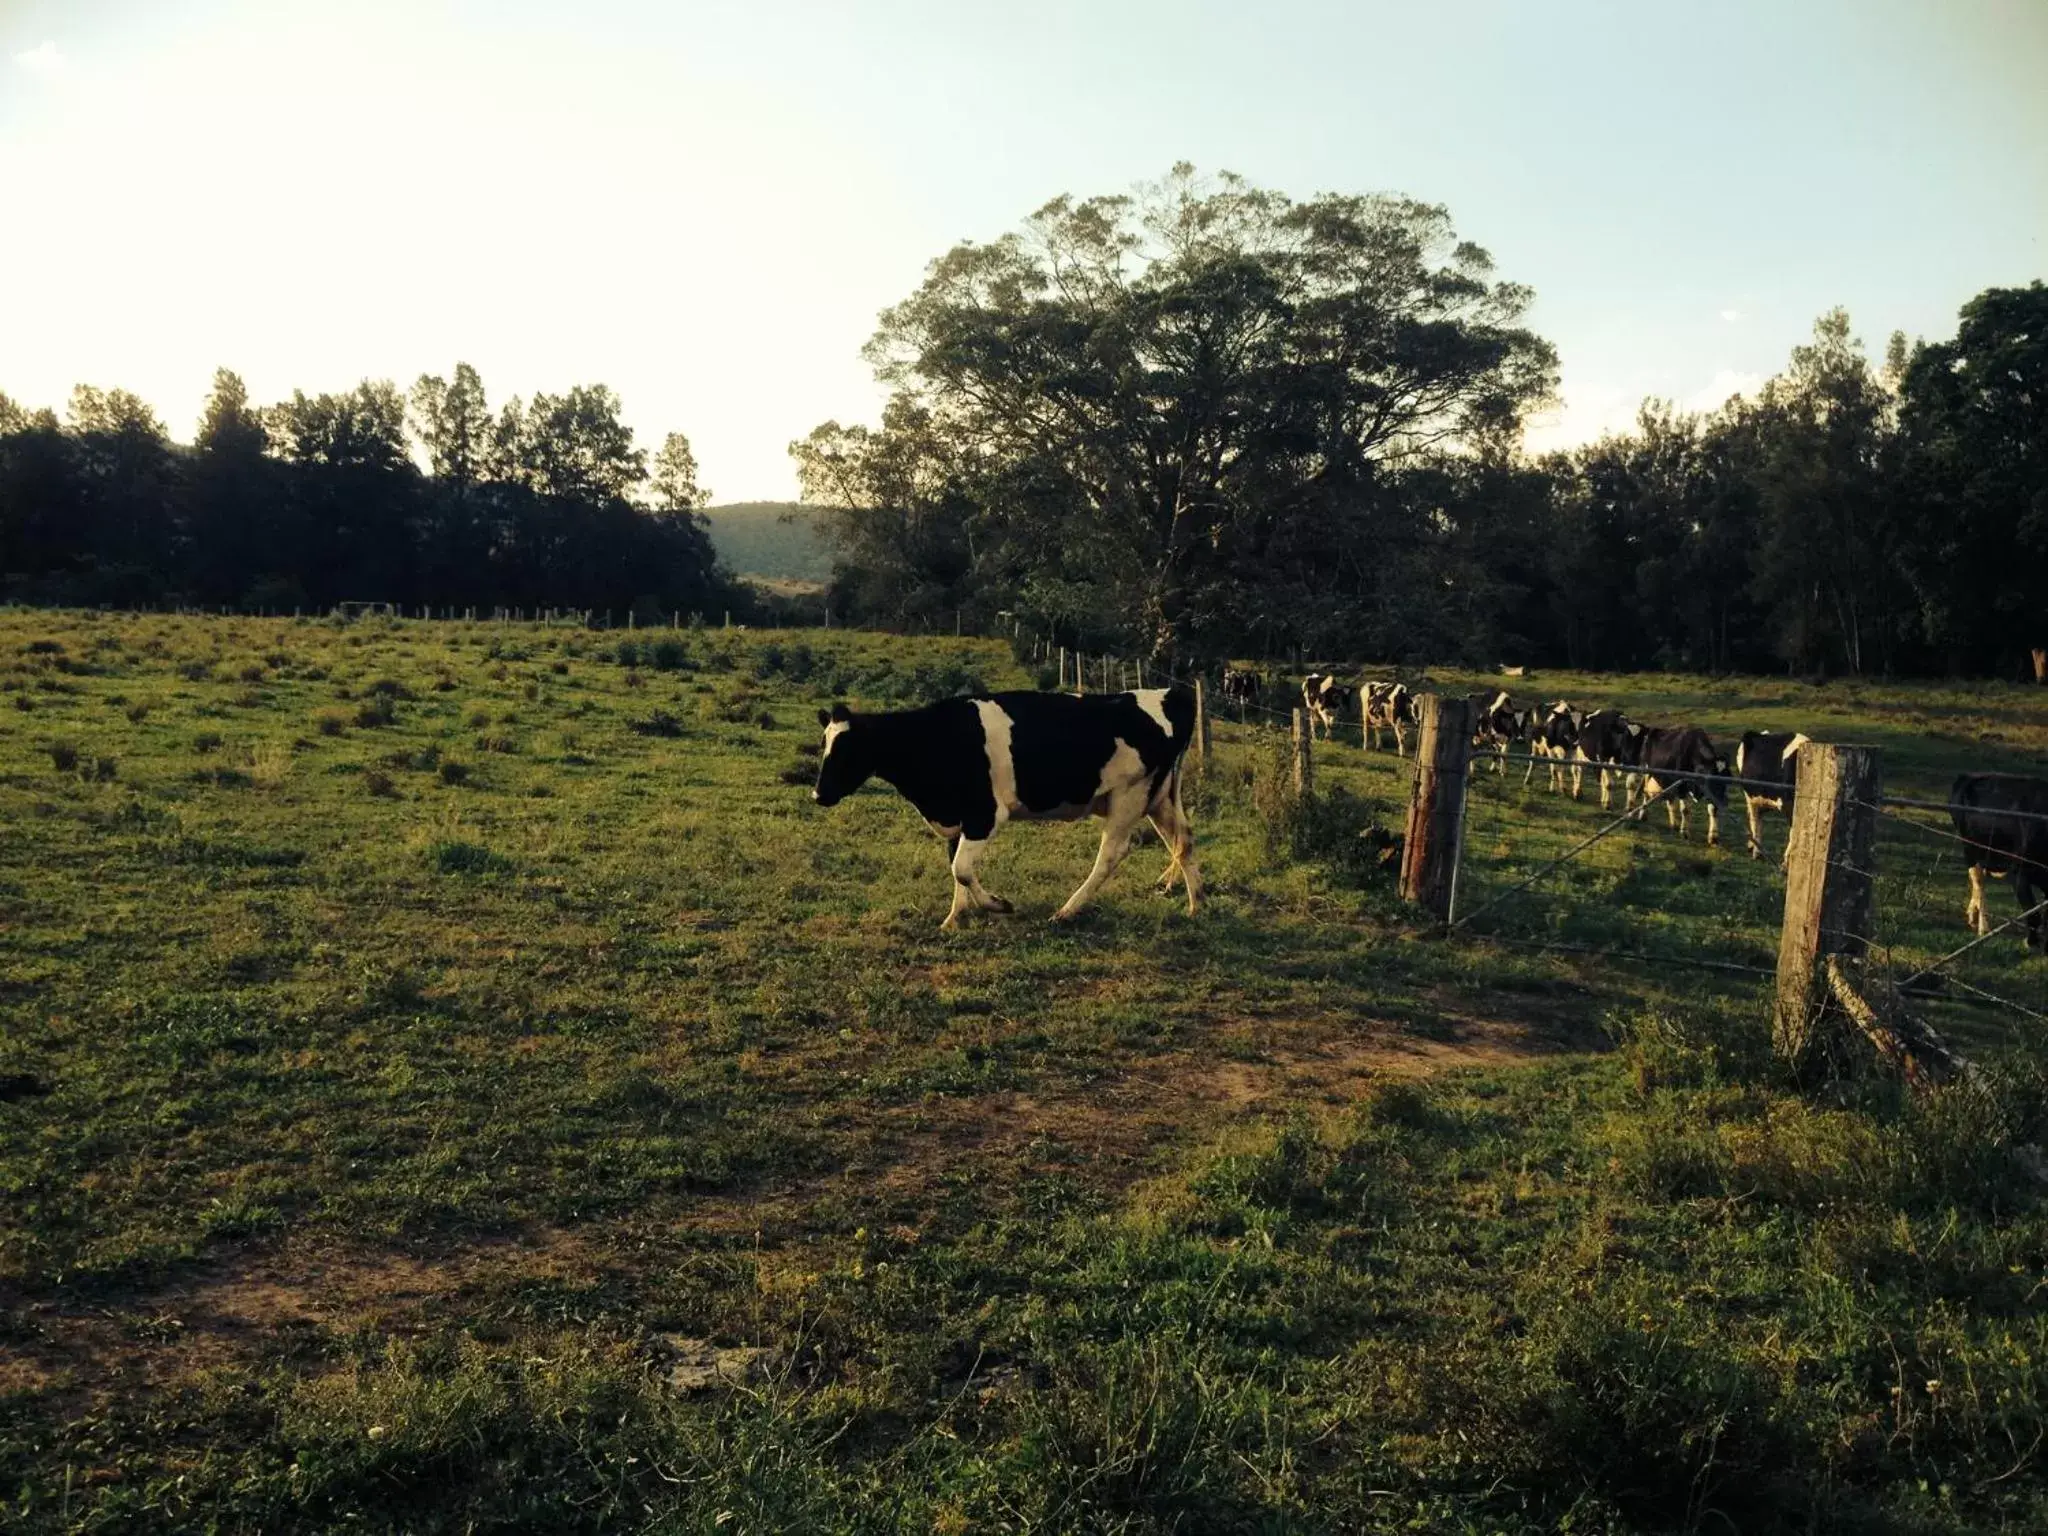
(1756, 842)
(1170, 819)
(1126, 810)
(967, 892)
(1713, 824)
(1975, 917)
(2023, 892)
(1529, 772)
(1400, 740)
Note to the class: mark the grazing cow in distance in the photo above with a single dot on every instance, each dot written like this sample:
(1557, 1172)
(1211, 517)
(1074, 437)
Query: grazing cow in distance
(1388, 707)
(1242, 689)
(1680, 765)
(1496, 723)
(970, 764)
(1555, 733)
(1326, 701)
(2004, 819)
(1767, 763)
(1607, 740)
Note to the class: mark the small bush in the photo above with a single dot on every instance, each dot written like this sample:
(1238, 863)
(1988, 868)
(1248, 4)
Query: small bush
(206, 741)
(380, 784)
(137, 713)
(499, 743)
(101, 768)
(196, 672)
(270, 763)
(63, 756)
(477, 719)
(660, 723)
(460, 858)
(377, 711)
(331, 722)
(453, 772)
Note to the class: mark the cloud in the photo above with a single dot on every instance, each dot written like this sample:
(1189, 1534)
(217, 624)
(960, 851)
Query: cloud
(46, 60)
(1731, 316)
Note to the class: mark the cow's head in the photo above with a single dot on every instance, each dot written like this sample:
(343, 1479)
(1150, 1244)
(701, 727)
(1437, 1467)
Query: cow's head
(844, 765)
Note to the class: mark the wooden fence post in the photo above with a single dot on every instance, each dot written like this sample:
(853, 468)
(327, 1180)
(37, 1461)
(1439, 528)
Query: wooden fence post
(1828, 867)
(1200, 745)
(1304, 757)
(1436, 809)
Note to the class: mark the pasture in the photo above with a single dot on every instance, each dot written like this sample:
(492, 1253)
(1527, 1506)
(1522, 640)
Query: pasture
(422, 1044)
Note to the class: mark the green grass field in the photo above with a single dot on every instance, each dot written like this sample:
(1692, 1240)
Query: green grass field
(419, 1041)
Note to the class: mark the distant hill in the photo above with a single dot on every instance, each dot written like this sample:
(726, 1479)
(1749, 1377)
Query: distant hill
(761, 538)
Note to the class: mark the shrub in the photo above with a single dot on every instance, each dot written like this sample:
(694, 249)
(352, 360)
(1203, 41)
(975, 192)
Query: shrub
(195, 672)
(137, 713)
(380, 784)
(206, 741)
(331, 722)
(63, 756)
(459, 858)
(378, 710)
(660, 723)
(453, 772)
(270, 763)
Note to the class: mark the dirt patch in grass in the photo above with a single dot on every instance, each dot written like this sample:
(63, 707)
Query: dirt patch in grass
(1110, 1131)
(232, 1310)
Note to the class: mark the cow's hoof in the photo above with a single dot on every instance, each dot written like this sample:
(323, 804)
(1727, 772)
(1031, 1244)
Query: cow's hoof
(1000, 907)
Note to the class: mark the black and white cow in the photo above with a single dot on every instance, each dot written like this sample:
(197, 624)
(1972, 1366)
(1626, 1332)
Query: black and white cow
(1241, 688)
(1554, 734)
(1680, 764)
(1496, 724)
(1607, 740)
(1767, 763)
(1326, 700)
(2000, 816)
(970, 764)
(1388, 707)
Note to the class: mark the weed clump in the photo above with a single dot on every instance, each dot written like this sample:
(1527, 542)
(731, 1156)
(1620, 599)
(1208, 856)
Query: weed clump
(659, 723)
(455, 857)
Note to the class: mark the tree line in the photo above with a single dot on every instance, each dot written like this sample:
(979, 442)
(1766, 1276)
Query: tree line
(424, 497)
(1207, 420)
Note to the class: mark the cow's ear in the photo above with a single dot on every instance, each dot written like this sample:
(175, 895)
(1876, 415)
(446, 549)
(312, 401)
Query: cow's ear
(824, 717)
(841, 713)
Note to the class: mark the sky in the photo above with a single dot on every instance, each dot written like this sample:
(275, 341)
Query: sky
(706, 205)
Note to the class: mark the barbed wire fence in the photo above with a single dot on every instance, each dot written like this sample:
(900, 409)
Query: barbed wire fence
(1871, 878)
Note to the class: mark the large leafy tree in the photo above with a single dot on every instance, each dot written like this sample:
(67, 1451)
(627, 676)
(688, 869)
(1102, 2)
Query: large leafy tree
(128, 474)
(245, 541)
(1128, 405)
(1824, 567)
(1973, 481)
(355, 488)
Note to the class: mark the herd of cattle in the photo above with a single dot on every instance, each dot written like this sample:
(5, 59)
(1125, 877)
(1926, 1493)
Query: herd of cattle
(2002, 818)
